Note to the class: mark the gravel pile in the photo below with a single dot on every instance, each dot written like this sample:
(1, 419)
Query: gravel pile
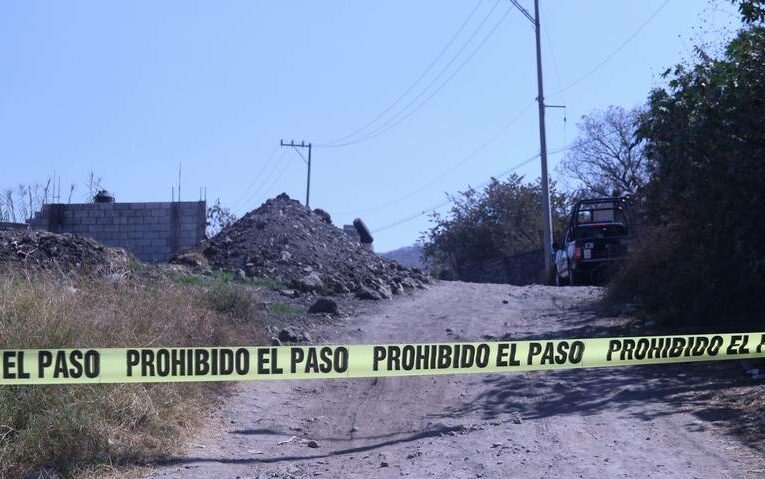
(284, 241)
(63, 253)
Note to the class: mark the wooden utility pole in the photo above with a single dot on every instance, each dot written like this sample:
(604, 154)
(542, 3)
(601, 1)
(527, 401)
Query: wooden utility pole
(302, 144)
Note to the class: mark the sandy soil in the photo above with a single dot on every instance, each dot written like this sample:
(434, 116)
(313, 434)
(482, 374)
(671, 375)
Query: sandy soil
(618, 422)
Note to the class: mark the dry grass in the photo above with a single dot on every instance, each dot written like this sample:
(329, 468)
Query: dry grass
(79, 429)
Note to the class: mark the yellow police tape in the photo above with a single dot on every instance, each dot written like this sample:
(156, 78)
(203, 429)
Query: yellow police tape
(143, 365)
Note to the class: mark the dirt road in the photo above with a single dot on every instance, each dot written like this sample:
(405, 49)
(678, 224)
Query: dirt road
(617, 422)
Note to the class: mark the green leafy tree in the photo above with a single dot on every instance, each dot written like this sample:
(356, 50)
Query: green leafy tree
(705, 142)
(218, 217)
(502, 219)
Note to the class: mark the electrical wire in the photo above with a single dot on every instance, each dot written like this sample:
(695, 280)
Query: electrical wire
(417, 81)
(287, 164)
(448, 200)
(454, 167)
(256, 178)
(264, 179)
(397, 118)
(615, 52)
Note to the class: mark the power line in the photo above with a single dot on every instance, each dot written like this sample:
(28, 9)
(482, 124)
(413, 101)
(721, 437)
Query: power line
(616, 51)
(295, 147)
(264, 179)
(396, 119)
(524, 11)
(457, 165)
(447, 201)
(255, 179)
(278, 177)
(417, 81)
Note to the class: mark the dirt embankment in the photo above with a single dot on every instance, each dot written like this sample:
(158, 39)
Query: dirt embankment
(60, 253)
(654, 421)
(284, 241)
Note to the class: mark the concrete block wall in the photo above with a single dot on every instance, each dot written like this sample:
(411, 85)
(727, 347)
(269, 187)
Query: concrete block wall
(6, 226)
(152, 232)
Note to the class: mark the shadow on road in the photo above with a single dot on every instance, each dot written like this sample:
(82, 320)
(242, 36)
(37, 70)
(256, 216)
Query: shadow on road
(432, 432)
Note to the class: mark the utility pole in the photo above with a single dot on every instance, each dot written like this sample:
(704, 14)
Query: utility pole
(302, 144)
(547, 217)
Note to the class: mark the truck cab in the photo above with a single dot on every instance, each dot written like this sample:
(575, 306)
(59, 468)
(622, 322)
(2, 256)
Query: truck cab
(599, 234)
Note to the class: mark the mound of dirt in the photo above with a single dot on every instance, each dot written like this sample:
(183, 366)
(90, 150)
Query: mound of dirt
(284, 241)
(63, 253)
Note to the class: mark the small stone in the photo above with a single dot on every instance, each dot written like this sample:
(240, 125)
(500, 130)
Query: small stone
(289, 335)
(368, 294)
(310, 282)
(324, 305)
(312, 444)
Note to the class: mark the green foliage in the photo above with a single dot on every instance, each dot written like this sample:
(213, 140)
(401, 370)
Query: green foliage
(705, 138)
(218, 217)
(752, 11)
(503, 219)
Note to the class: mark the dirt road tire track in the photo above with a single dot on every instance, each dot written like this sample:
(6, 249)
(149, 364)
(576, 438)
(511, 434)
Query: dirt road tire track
(615, 422)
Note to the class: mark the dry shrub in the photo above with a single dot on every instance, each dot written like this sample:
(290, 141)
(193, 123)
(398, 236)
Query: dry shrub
(674, 278)
(73, 428)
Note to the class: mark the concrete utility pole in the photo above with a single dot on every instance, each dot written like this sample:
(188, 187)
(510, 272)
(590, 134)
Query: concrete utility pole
(547, 217)
(302, 144)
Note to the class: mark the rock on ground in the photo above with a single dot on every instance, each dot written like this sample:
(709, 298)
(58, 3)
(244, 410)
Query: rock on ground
(324, 305)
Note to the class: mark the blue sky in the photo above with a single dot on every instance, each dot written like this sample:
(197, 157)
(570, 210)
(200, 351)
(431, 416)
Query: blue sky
(131, 90)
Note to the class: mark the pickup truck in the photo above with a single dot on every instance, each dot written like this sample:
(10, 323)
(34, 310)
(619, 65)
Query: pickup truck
(599, 235)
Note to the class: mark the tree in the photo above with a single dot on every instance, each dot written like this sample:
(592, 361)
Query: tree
(218, 217)
(93, 185)
(503, 219)
(607, 158)
(752, 11)
(705, 142)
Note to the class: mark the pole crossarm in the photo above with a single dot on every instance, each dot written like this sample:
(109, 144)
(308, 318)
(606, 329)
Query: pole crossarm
(297, 147)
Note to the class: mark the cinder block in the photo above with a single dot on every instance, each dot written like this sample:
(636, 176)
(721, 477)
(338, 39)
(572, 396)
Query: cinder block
(161, 227)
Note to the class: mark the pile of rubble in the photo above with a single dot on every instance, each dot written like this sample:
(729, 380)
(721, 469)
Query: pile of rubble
(62, 253)
(284, 241)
